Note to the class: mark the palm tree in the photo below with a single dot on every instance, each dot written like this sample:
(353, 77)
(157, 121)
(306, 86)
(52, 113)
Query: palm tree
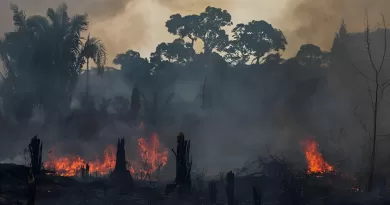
(95, 50)
(44, 56)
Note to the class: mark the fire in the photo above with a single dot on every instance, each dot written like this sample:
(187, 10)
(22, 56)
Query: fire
(70, 166)
(151, 158)
(315, 161)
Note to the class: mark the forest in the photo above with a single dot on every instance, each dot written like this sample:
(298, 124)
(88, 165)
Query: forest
(238, 87)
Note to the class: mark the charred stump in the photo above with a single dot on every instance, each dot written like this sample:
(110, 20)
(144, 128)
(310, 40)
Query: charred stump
(230, 188)
(256, 197)
(85, 172)
(120, 174)
(213, 192)
(35, 149)
(183, 165)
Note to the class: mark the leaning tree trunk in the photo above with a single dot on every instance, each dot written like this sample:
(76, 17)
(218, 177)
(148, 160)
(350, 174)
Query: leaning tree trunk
(35, 149)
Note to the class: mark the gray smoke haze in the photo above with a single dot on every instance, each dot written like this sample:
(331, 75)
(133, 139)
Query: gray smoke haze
(139, 25)
(317, 21)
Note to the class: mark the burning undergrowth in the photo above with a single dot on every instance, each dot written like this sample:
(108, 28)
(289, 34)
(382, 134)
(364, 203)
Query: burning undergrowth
(316, 164)
(151, 157)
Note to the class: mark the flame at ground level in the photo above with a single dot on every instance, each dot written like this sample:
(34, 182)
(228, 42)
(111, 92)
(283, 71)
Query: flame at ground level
(152, 157)
(315, 162)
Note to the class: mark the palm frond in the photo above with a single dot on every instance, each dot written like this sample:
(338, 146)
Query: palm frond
(95, 49)
(78, 24)
(19, 17)
(38, 24)
(62, 15)
(51, 14)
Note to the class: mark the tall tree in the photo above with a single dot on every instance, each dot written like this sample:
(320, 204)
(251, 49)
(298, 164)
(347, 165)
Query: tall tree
(255, 39)
(377, 86)
(184, 26)
(178, 52)
(95, 50)
(136, 69)
(312, 55)
(46, 48)
(207, 26)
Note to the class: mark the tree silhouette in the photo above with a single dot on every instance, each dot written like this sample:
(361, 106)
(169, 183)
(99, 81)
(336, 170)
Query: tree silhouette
(95, 50)
(185, 27)
(311, 55)
(135, 103)
(177, 52)
(135, 68)
(257, 38)
(45, 48)
(208, 26)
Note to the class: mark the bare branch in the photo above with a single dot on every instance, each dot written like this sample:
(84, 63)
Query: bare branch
(361, 73)
(174, 152)
(382, 92)
(385, 43)
(372, 100)
(368, 43)
(364, 126)
(386, 82)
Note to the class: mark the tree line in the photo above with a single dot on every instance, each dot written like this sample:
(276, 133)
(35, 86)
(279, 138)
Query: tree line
(44, 55)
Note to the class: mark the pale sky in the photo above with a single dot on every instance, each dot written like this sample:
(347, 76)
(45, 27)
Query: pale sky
(153, 31)
(140, 24)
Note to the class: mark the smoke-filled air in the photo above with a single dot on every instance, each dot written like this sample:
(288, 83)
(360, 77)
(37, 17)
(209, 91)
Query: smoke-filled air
(194, 102)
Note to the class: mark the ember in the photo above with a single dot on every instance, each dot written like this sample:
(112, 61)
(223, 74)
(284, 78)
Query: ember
(152, 158)
(315, 161)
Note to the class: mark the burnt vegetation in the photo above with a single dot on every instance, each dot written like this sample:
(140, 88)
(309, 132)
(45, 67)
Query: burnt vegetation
(46, 57)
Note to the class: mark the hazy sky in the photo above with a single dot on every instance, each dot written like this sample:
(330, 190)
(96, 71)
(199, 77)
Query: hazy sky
(140, 24)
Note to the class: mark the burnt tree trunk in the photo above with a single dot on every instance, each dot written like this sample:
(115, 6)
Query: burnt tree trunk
(230, 188)
(120, 174)
(213, 192)
(183, 164)
(85, 172)
(256, 197)
(120, 163)
(35, 149)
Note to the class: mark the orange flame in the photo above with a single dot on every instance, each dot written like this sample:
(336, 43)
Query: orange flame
(70, 166)
(152, 158)
(315, 161)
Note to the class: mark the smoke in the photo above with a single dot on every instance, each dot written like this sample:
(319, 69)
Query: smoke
(317, 21)
(140, 25)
